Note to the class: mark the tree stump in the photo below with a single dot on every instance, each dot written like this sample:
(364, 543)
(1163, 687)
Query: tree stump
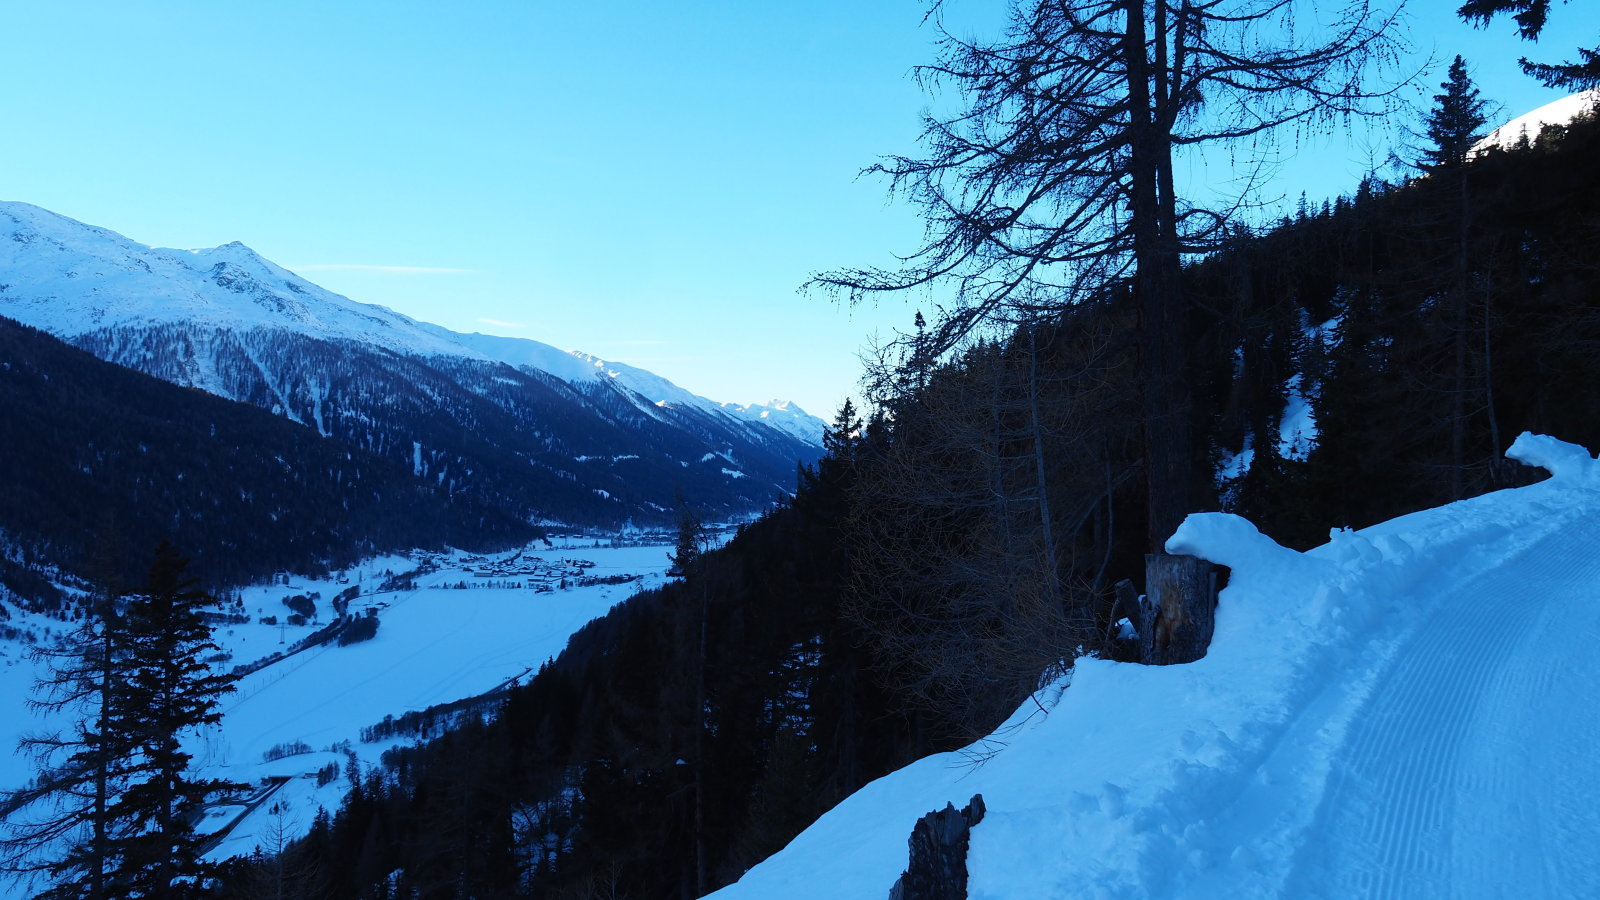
(1182, 592)
(938, 869)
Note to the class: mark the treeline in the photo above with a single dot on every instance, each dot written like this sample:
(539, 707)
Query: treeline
(964, 539)
(100, 460)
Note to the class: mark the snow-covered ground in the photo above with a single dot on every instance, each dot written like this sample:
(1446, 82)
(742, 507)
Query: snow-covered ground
(435, 644)
(1406, 711)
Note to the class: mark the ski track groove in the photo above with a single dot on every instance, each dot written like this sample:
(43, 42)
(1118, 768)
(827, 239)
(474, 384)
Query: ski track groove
(1457, 714)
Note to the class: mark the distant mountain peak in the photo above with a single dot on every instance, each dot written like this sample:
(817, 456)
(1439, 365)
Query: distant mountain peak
(70, 278)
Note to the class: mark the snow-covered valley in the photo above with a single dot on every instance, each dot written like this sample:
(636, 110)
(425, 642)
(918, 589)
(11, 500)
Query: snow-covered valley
(467, 627)
(1406, 711)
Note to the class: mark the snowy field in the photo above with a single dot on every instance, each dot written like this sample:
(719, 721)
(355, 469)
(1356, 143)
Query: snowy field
(437, 642)
(1407, 711)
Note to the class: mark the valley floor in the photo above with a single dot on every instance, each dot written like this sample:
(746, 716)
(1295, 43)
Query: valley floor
(460, 631)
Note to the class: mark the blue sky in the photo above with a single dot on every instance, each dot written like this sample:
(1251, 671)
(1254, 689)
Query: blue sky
(648, 182)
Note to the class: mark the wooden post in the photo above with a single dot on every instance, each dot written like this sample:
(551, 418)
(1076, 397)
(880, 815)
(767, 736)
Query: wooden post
(1182, 595)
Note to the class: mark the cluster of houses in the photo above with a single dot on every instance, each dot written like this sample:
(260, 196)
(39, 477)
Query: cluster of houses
(535, 572)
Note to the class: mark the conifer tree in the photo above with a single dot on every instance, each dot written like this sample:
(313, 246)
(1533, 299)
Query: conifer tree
(169, 692)
(1456, 122)
(109, 815)
(1059, 173)
(843, 439)
(686, 552)
(59, 829)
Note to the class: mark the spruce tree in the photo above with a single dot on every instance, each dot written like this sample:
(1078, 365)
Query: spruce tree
(843, 439)
(169, 692)
(686, 552)
(1456, 122)
(109, 814)
(59, 829)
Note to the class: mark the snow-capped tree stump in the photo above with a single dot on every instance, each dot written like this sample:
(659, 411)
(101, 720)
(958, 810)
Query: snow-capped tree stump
(1180, 612)
(938, 869)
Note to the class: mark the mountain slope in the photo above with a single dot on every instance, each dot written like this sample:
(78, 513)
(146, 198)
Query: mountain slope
(1529, 124)
(1401, 712)
(516, 424)
(101, 461)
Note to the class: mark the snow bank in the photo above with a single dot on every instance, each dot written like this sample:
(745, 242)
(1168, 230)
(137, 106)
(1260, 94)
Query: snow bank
(1261, 769)
(1561, 459)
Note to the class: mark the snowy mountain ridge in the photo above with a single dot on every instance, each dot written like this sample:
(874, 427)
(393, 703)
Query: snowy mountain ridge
(1528, 125)
(545, 436)
(71, 279)
(1405, 711)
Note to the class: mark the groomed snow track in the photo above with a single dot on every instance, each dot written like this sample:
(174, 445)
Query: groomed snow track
(1467, 771)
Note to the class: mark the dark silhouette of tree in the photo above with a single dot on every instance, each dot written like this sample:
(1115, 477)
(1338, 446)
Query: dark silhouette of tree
(111, 814)
(1455, 124)
(169, 691)
(60, 828)
(958, 579)
(1531, 17)
(1057, 178)
(1454, 127)
(690, 543)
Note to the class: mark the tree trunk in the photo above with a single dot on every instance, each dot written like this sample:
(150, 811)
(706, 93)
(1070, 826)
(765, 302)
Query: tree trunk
(1182, 593)
(1041, 482)
(1161, 348)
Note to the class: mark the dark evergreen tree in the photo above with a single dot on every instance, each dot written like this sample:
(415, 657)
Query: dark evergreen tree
(168, 692)
(60, 828)
(686, 552)
(841, 441)
(111, 813)
(1456, 122)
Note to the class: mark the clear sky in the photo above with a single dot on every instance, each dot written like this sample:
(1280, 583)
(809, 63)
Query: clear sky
(648, 182)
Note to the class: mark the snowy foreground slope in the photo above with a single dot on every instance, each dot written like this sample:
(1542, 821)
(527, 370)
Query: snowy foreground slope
(1406, 711)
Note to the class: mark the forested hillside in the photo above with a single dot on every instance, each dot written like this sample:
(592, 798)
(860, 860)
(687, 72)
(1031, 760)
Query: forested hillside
(107, 461)
(1348, 364)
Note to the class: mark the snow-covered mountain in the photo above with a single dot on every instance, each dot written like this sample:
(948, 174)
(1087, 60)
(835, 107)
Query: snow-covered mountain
(576, 367)
(1406, 711)
(1527, 125)
(68, 278)
(549, 434)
